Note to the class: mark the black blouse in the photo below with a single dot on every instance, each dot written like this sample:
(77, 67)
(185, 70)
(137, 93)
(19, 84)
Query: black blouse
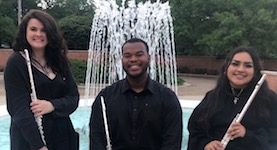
(261, 133)
(61, 91)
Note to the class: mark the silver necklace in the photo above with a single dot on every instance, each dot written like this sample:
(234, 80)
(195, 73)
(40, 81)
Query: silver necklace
(236, 96)
(42, 67)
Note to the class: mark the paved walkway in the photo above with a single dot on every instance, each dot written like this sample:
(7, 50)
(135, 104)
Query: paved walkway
(2, 90)
(194, 88)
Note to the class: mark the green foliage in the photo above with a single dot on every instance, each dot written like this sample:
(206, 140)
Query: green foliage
(8, 9)
(75, 18)
(201, 27)
(76, 31)
(213, 27)
(180, 81)
(7, 30)
(74, 15)
(119, 2)
(78, 68)
(63, 8)
(9, 18)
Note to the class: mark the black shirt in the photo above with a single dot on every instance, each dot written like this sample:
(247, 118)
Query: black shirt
(151, 119)
(61, 91)
(261, 132)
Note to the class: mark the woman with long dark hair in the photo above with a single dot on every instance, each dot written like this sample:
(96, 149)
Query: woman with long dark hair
(56, 89)
(211, 118)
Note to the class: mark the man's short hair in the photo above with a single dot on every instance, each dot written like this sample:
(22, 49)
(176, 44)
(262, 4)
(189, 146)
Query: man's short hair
(134, 40)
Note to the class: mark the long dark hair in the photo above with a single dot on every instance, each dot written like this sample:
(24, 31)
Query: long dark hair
(215, 98)
(55, 50)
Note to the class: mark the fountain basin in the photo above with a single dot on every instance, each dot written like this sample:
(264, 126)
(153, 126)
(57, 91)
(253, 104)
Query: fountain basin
(82, 125)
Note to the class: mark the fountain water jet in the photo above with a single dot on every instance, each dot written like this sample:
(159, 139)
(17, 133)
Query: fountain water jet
(112, 25)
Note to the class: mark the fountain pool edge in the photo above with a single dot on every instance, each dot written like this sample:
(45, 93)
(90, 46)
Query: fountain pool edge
(184, 104)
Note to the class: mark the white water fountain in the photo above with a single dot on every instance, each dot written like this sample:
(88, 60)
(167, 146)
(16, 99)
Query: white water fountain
(112, 25)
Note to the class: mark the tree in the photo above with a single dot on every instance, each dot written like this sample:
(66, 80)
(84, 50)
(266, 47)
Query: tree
(8, 18)
(7, 30)
(237, 23)
(76, 31)
(202, 27)
(213, 27)
(9, 8)
(62, 8)
(75, 17)
(182, 20)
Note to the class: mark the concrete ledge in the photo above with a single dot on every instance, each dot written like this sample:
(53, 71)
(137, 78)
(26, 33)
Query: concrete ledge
(3, 110)
(185, 103)
(83, 103)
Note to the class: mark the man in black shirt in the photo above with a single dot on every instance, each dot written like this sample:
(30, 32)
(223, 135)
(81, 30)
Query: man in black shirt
(142, 114)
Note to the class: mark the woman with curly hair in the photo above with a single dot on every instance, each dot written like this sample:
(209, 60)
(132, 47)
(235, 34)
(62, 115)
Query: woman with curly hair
(57, 92)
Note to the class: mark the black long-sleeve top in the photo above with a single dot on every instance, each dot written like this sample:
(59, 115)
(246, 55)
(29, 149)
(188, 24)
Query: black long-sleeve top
(261, 133)
(149, 120)
(61, 91)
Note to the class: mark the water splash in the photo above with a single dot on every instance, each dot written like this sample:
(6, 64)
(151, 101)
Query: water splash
(112, 25)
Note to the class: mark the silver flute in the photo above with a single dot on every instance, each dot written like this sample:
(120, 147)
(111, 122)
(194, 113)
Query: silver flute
(109, 146)
(34, 95)
(240, 115)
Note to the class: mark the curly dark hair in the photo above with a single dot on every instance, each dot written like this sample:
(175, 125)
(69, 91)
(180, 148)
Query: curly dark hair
(55, 50)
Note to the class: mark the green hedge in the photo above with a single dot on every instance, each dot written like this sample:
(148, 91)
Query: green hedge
(78, 68)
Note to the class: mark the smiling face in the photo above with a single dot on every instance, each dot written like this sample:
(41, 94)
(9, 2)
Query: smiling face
(241, 70)
(135, 59)
(36, 35)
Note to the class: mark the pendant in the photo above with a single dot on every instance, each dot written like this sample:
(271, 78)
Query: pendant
(235, 100)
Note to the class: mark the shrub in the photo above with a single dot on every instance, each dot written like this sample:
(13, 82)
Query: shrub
(180, 81)
(78, 68)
